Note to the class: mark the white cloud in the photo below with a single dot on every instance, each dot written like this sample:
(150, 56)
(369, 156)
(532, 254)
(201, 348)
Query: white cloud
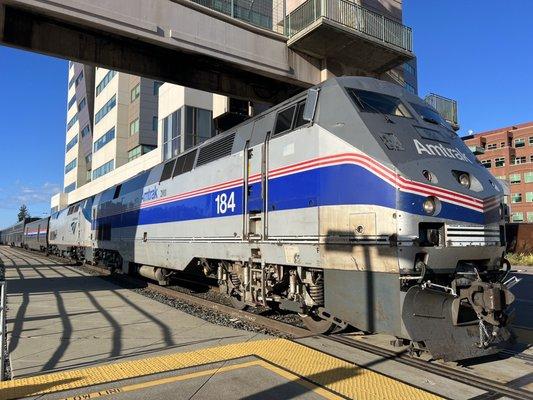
(27, 194)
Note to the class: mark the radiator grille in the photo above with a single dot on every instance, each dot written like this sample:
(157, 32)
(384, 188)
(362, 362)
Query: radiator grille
(472, 236)
(215, 150)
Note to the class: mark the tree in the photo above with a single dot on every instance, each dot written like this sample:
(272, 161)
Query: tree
(23, 213)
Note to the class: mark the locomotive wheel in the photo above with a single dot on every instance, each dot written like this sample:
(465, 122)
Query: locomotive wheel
(316, 324)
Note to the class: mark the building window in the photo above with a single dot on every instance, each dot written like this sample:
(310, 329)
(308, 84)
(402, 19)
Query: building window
(516, 198)
(154, 123)
(409, 69)
(518, 160)
(88, 158)
(528, 177)
(172, 135)
(157, 85)
(72, 121)
(486, 163)
(134, 127)
(104, 139)
(82, 104)
(529, 197)
(499, 162)
(71, 102)
(519, 142)
(502, 177)
(85, 131)
(529, 216)
(135, 92)
(79, 78)
(491, 146)
(71, 165)
(198, 126)
(70, 187)
(530, 140)
(105, 109)
(502, 144)
(409, 88)
(72, 143)
(105, 81)
(139, 151)
(517, 217)
(515, 178)
(88, 175)
(104, 169)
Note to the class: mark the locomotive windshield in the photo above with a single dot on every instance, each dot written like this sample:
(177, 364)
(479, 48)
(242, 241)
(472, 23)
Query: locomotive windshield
(373, 102)
(429, 115)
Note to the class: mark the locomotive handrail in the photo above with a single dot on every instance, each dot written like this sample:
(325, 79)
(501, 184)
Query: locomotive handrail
(3, 329)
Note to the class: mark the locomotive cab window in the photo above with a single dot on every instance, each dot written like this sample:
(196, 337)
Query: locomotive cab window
(284, 120)
(430, 115)
(299, 120)
(117, 192)
(167, 170)
(373, 102)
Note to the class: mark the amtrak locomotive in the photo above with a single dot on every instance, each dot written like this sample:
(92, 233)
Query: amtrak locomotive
(353, 203)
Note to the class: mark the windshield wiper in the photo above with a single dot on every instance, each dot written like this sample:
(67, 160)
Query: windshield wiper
(431, 120)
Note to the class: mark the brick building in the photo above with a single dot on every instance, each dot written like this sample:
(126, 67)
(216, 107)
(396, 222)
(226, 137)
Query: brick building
(508, 154)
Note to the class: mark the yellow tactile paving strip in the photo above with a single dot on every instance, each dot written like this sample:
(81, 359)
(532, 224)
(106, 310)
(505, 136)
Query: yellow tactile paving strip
(326, 371)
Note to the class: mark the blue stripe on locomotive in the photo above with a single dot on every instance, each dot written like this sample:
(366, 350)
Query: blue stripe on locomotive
(333, 185)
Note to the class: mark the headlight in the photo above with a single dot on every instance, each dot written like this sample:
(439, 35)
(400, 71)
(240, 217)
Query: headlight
(464, 179)
(429, 206)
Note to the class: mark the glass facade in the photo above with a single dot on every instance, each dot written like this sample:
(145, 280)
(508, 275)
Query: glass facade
(72, 143)
(186, 128)
(105, 109)
(70, 187)
(104, 139)
(104, 169)
(139, 151)
(71, 165)
(105, 81)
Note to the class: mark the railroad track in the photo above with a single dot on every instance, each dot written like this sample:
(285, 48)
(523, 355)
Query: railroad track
(458, 375)
(494, 388)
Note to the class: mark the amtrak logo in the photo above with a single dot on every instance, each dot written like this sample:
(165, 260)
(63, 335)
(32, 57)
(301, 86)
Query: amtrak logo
(150, 194)
(73, 226)
(441, 151)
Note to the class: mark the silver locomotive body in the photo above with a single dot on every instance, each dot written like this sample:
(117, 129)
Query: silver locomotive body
(353, 203)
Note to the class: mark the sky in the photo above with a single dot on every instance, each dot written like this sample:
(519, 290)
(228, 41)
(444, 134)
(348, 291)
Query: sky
(477, 52)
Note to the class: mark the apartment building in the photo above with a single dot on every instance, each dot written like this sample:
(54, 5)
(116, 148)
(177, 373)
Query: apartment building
(125, 120)
(79, 132)
(508, 154)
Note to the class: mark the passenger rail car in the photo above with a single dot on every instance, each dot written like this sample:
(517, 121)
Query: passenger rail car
(36, 235)
(353, 203)
(14, 235)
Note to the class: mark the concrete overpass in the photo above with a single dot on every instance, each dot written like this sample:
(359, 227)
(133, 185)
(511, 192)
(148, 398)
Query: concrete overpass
(212, 47)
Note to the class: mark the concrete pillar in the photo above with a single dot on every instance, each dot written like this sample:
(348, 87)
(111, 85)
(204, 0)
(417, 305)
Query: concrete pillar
(325, 72)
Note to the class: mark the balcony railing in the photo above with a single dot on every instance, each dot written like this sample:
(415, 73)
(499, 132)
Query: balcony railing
(352, 16)
(446, 107)
(271, 14)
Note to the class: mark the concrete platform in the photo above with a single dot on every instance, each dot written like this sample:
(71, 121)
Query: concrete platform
(75, 336)
(61, 318)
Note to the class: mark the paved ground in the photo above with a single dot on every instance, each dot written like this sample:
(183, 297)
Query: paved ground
(61, 318)
(523, 306)
(92, 339)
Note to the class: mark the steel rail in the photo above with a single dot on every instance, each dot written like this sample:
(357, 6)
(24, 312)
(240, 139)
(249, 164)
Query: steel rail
(438, 369)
